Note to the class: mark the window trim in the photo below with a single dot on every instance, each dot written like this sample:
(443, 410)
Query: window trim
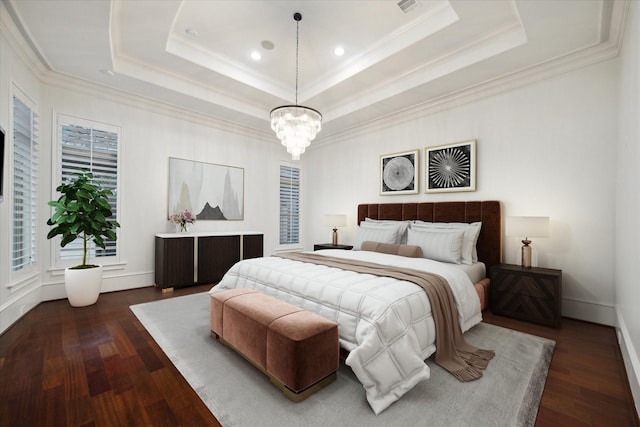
(16, 277)
(299, 245)
(109, 262)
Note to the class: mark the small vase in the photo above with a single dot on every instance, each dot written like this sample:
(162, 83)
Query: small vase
(183, 228)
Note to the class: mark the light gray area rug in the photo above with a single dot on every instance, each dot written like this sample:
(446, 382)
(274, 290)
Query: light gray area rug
(240, 395)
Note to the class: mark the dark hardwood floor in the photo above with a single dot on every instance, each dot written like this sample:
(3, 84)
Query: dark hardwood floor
(587, 383)
(97, 366)
(93, 366)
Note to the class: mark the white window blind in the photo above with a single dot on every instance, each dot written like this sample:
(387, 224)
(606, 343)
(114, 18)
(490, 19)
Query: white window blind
(86, 147)
(25, 185)
(289, 204)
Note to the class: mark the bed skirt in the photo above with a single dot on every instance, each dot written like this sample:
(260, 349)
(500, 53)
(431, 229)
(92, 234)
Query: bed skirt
(482, 288)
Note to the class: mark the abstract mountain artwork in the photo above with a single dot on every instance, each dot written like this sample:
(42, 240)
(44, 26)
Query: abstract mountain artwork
(211, 191)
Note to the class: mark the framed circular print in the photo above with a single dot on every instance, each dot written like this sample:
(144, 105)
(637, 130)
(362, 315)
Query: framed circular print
(399, 173)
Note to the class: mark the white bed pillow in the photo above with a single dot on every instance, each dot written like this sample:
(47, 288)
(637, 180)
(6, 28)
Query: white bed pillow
(402, 227)
(438, 244)
(474, 234)
(469, 241)
(380, 233)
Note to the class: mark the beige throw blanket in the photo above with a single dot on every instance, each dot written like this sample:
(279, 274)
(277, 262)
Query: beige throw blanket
(453, 353)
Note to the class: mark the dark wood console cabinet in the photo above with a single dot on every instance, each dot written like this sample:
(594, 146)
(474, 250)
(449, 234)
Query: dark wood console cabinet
(194, 258)
(174, 262)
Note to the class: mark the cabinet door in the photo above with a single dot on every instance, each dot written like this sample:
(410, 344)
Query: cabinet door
(252, 246)
(174, 262)
(216, 255)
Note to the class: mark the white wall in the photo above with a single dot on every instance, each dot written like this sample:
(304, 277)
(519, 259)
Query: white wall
(627, 268)
(148, 139)
(545, 149)
(150, 134)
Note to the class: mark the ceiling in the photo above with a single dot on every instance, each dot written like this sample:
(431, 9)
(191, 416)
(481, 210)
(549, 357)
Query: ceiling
(195, 54)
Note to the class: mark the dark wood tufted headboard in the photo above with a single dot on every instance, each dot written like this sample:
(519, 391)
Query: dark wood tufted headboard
(488, 212)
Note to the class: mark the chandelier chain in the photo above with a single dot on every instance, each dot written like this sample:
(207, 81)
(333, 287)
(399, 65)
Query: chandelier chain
(297, 49)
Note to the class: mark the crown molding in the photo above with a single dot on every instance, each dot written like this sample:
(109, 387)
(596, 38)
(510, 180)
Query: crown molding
(542, 71)
(15, 38)
(55, 79)
(26, 52)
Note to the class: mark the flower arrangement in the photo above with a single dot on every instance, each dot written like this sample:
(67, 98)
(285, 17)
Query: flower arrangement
(183, 218)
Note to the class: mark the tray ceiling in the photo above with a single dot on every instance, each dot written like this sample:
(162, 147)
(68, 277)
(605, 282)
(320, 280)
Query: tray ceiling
(195, 54)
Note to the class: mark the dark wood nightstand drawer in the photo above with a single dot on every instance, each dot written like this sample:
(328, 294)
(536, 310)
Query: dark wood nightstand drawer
(533, 286)
(532, 294)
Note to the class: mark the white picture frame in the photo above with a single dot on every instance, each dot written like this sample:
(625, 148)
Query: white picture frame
(210, 191)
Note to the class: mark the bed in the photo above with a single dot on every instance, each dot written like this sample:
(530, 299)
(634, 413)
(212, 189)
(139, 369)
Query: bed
(489, 213)
(385, 324)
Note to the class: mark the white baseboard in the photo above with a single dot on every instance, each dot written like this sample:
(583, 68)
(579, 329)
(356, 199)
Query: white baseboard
(55, 290)
(27, 299)
(631, 359)
(589, 311)
(14, 309)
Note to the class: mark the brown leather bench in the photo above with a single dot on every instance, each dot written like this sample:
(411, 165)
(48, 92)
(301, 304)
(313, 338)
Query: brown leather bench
(297, 349)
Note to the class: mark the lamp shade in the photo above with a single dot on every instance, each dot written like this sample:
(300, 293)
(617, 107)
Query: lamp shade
(527, 226)
(335, 220)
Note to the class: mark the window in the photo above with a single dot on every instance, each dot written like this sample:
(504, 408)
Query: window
(289, 205)
(25, 184)
(93, 147)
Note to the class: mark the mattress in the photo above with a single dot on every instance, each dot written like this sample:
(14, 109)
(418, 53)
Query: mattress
(476, 271)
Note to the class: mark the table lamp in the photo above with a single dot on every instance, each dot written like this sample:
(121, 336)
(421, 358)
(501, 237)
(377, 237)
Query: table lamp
(527, 226)
(335, 221)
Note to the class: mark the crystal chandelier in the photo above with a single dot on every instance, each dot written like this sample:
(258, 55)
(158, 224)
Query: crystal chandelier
(296, 126)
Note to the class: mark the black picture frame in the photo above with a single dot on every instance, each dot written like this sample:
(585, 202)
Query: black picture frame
(2, 135)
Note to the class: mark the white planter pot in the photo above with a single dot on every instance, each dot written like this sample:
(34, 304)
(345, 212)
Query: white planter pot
(83, 285)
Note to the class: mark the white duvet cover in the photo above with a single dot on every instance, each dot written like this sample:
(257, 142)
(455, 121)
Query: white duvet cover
(385, 324)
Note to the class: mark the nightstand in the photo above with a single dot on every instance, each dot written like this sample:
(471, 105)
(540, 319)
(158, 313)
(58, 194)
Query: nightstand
(331, 246)
(532, 294)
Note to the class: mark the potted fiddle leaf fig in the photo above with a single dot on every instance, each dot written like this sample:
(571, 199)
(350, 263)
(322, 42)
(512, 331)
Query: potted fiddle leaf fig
(82, 212)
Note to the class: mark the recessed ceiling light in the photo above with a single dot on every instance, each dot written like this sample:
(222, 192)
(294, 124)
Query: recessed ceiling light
(191, 32)
(256, 56)
(338, 51)
(266, 45)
